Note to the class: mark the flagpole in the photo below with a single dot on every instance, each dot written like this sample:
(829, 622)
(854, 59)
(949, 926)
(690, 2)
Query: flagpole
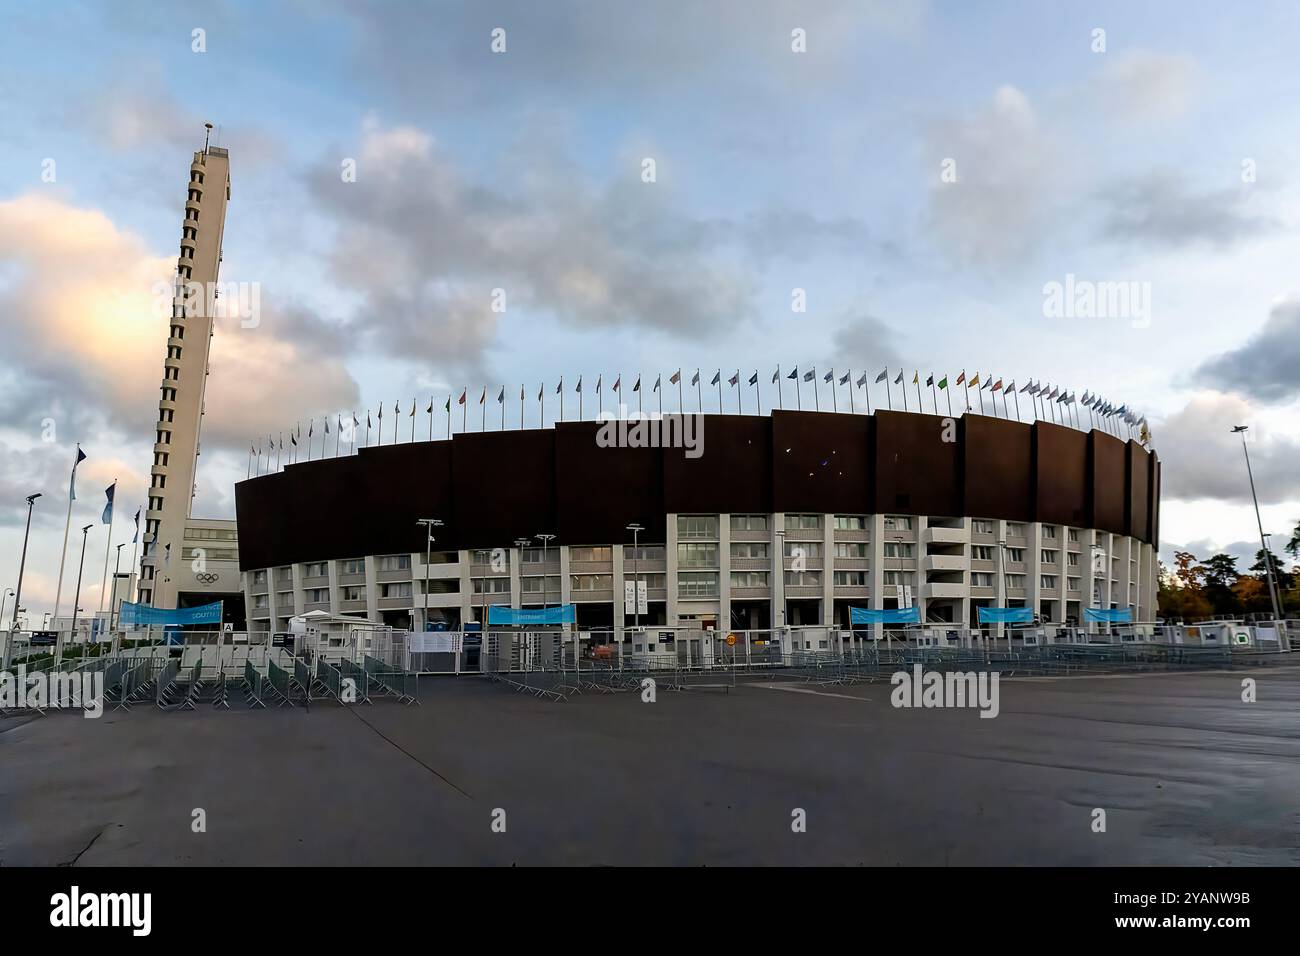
(866, 387)
(561, 391)
(1017, 398)
(135, 548)
(981, 391)
(699, 397)
(835, 401)
(103, 581)
(798, 390)
(719, 391)
(758, 392)
(338, 434)
(521, 408)
(430, 416)
(278, 450)
(965, 384)
(947, 393)
(659, 389)
(852, 410)
(412, 418)
(934, 395)
(541, 405)
(679, 398)
(903, 386)
(916, 380)
(889, 392)
(464, 410)
(780, 400)
(503, 408)
(817, 399)
(579, 398)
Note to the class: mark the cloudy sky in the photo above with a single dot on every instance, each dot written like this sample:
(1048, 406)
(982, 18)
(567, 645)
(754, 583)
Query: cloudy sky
(922, 171)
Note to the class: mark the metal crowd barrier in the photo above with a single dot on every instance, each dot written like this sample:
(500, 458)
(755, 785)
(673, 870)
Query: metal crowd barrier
(393, 681)
(349, 671)
(278, 682)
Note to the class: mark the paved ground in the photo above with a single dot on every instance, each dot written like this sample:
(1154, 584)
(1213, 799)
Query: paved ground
(1187, 773)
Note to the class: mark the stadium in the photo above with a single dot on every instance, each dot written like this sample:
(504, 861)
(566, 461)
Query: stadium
(786, 520)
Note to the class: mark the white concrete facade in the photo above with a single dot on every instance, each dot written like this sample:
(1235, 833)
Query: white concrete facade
(741, 572)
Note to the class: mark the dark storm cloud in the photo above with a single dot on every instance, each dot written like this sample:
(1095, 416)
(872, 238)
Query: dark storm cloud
(1267, 367)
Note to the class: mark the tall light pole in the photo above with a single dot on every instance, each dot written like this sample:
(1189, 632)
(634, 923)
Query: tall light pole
(429, 525)
(485, 557)
(3, 598)
(76, 600)
(1263, 542)
(636, 530)
(546, 539)
(115, 606)
(18, 593)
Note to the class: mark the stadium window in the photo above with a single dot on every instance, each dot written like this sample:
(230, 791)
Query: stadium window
(899, 549)
(850, 522)
(749, 522)
(1015, 529)
(697, 555)
(980, 526)
(1050, 555)
(697, 526)
(803, 522)
(981, 580)
(1049, 531)
(591, 582)
(804, 549)
(591, 554)
(697, 584)
(1015, 580)
(749, 579)
(850, 579)
(749, 550)
(1073, 535)
(1016, 554)
(898, 523)
(358, 565)
(803, 579)
(982, 552)
(1048, 581)
(852, 549)
(643, 552)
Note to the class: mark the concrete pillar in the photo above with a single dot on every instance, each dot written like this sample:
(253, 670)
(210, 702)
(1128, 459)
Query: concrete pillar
(670, 566)
(828, 574)
(724, 573)
(778, 570)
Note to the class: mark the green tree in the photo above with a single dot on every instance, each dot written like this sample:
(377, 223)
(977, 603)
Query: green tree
(1293, 546)
(1221, 574)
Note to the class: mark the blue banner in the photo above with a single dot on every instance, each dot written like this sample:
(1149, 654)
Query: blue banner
(142, 615)
(1006, 615)
(866, 615)
(1099, 615)
(560, 614)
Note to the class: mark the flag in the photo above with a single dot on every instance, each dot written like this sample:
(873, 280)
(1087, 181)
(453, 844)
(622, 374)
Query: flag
(559, 388)
(482, 399)
(293, 439)
(862, 380)
(1085, 398)
(463, 393)
(107, 516)
(828, 376)
(429, 410)
(930, 380)
(943, 382)
(809, 375)
(447, 407)
(753, 379)
(501, 399)
(844, 379)
(410, 414)
(899, 380)
(974, 380)
(658, 378)
(521, 393)
(717, 377)
(311, 427)
(675, 377)
(794, 373)
(733, 380)
(618, 383)
(882, 376)
(637, 386)
(579, 388)
(776, 375)
(988, 381)
(72, 484)
(327, 422)
(695, 379)
(1012, 386)
(916, 377)
(136, 537)
(381, 414)
(962, 377)
(997, 385)
(357, 424)
(541, 389)
(1027, 387)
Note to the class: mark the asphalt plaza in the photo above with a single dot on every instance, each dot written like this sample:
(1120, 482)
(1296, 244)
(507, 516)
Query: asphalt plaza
(1188, 775)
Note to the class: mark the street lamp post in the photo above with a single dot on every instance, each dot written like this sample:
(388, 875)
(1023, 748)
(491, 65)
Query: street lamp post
(636, 530)
(18, 593)
(1268, 561)
(115, 606)
(76, 600)
(429, 525)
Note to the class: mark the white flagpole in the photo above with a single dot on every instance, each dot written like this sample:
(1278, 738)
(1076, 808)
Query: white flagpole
(835, 402)
(135, 551)
(852, 410)
(58, 591)
(780, 401)
(103, 581)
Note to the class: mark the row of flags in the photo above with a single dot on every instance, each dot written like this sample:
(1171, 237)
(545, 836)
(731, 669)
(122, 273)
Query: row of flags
(105, 517)
(1048, 402)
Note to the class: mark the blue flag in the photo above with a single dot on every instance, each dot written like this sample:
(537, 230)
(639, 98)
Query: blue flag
(72, 482)
(107, 516)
